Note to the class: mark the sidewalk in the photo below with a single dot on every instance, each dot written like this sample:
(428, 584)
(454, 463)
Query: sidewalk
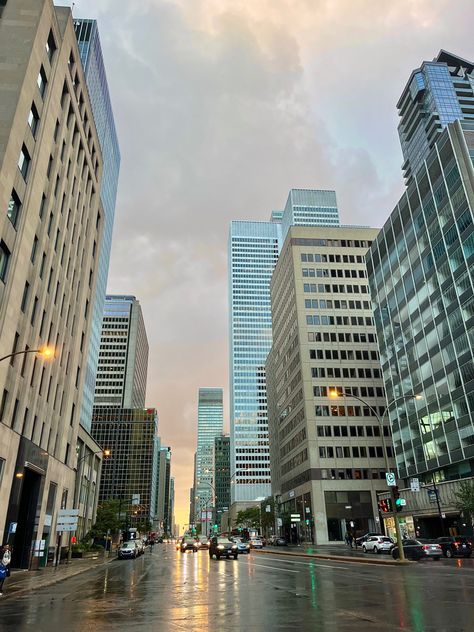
(339, 552)
(22, 581)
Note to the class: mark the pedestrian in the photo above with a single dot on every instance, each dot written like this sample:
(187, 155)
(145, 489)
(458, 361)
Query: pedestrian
(346, 538)
(355, 540)
(350, 539)
(5, 566)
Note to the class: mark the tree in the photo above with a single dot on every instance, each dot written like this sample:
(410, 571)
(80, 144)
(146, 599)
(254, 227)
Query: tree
(249, 518)
(107, 519)
(465, 499)
(267, 518)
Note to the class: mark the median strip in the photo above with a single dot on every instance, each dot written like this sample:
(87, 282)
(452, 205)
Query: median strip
(337, 558)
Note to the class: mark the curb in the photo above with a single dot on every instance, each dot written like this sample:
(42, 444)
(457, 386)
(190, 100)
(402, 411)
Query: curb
(337, 558)
(54, 580)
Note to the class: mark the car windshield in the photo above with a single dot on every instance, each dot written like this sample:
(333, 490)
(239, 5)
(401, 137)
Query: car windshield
(128, 545)
(189, 540)
(223, 541)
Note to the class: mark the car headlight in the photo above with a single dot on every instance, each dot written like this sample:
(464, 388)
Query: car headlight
(184, 546)
(220, 546)
(196, 544)
(235, 546)
(248, 546)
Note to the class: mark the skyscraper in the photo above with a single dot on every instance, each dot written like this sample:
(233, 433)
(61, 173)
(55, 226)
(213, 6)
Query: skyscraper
(123, 357)
(87, 35)
(50, 232)
(210, 423)
(254, 248)
(222, 474)
(439, 92)
(328, 455)
(164, 520)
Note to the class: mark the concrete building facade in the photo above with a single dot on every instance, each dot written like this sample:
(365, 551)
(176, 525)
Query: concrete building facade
(327, 454)
(50, 236)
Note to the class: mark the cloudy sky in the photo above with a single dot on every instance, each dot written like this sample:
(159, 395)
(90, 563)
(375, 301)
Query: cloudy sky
(221, 107)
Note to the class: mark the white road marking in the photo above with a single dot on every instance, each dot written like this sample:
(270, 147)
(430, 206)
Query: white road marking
(273, 568)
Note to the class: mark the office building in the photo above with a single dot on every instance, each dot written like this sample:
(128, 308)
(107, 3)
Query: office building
(90, 50)
(164, 521)
(171, 509)
(253, 252)
(438, 93)
(123, 356)
(131, 474)
(330, 452)
(50, 235)
(420, 270)
(222, 480)
(210, 424)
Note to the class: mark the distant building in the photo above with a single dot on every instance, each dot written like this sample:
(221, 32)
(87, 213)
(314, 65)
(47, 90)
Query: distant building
(164, 519)
(328, 454)
(88, 39)
(123, 357)
(253, 251)
(438, 93)
(51, 230)
(210, 423)
(222, 474)
(131, 474)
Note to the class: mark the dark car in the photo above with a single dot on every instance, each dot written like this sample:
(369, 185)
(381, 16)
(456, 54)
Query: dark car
(412, 548)
(189, 544)
(280, 542)
(366, 536)
(223, 547)
(457, 545)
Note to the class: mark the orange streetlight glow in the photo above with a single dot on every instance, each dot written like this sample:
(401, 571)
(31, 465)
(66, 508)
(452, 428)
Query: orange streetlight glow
(46, 352)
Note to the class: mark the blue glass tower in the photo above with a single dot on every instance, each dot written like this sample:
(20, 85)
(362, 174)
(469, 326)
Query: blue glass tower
(87, 34)
(438, 93)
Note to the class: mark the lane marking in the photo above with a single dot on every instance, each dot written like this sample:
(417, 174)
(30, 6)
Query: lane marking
(316, 562)
(273, 568)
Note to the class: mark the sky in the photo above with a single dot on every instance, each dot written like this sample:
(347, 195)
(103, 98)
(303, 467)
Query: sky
(221, 107)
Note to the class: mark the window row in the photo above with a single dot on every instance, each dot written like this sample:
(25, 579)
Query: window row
(351, 431)
(342, 354)
(355, 321)
(348, 411)
(325, 273)
(356, 452)
(347, 373)
(344, 337)
(362, 391)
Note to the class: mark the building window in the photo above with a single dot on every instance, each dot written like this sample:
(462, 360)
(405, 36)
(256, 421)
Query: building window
(50, 46)
(24, 162)
(33, 119)
(14, 348)
(15, 412)
(14, 206)
(42, 81)
(4, 259)
(34, 247)
(24, 299)
(3, 404)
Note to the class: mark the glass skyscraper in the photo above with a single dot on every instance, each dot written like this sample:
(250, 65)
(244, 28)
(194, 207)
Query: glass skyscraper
(210, 425)
(439, 92)
(87, 34)
(254, 248)
(421, 273)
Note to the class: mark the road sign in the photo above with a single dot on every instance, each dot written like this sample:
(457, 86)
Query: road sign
(415, 484)
(307, 509)
(67, 520)
(279, 522)
(443, 515)
(12, 527)
(295, 518)
(432, 495)
(66, 527)
(268, 508)
(391, 479)
(402, 502)
(135, 499)
(68, 512)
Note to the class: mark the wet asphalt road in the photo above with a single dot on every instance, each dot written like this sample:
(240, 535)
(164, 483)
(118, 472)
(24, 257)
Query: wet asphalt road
(169, 591)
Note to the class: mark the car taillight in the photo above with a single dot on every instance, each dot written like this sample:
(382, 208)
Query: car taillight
(425, 546)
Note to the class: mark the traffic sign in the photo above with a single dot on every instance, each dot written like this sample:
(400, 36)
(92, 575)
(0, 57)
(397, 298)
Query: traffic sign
(66, 527)
(391, 479)
(415, 484)
(432, 495)
(68, 512)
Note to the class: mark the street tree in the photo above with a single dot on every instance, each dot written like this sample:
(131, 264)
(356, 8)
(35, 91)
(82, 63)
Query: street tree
(465, 499)
(107, 519)
(249, 518)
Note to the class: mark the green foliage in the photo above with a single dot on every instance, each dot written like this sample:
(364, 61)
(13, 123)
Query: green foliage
(465, 497)
(249, 518)
(267, 518)
(107, 518)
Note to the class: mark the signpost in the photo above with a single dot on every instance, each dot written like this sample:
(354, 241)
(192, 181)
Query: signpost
(415, 484)
(391, 479)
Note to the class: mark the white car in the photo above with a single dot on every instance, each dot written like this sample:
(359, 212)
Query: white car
(378, 544)
(256, 543)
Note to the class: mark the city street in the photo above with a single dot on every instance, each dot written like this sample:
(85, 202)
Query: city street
(171, 591)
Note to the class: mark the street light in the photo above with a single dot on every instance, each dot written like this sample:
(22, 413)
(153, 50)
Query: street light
(45, 352)
(335, 394)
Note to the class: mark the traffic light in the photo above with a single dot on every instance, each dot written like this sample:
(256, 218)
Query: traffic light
(385, 505)
(398, 500)
(307, 521)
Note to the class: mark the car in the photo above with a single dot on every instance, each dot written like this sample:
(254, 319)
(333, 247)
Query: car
(256, 543)
(412, 548)
(223, 547)
(243, 546)
(280, 542)
(364, 538)
(128, 550)
(431, 549)
(204, 542)
(189, 544)
(377, 544)
(455, 546)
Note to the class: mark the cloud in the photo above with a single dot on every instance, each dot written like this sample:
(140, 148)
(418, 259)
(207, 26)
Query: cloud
(222, 107)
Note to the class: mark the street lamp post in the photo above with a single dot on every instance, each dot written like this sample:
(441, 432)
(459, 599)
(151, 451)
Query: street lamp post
(380, 420)
(45, 352)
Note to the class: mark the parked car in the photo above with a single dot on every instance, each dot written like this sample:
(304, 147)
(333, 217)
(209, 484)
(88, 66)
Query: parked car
(189, 544)
(276, 540)
(243, 546)
(256, 543)
(454, 546)
(378, 544)
(431, 549)
(128, 550)
(223, 547)
(412, 548)
(363, 538)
